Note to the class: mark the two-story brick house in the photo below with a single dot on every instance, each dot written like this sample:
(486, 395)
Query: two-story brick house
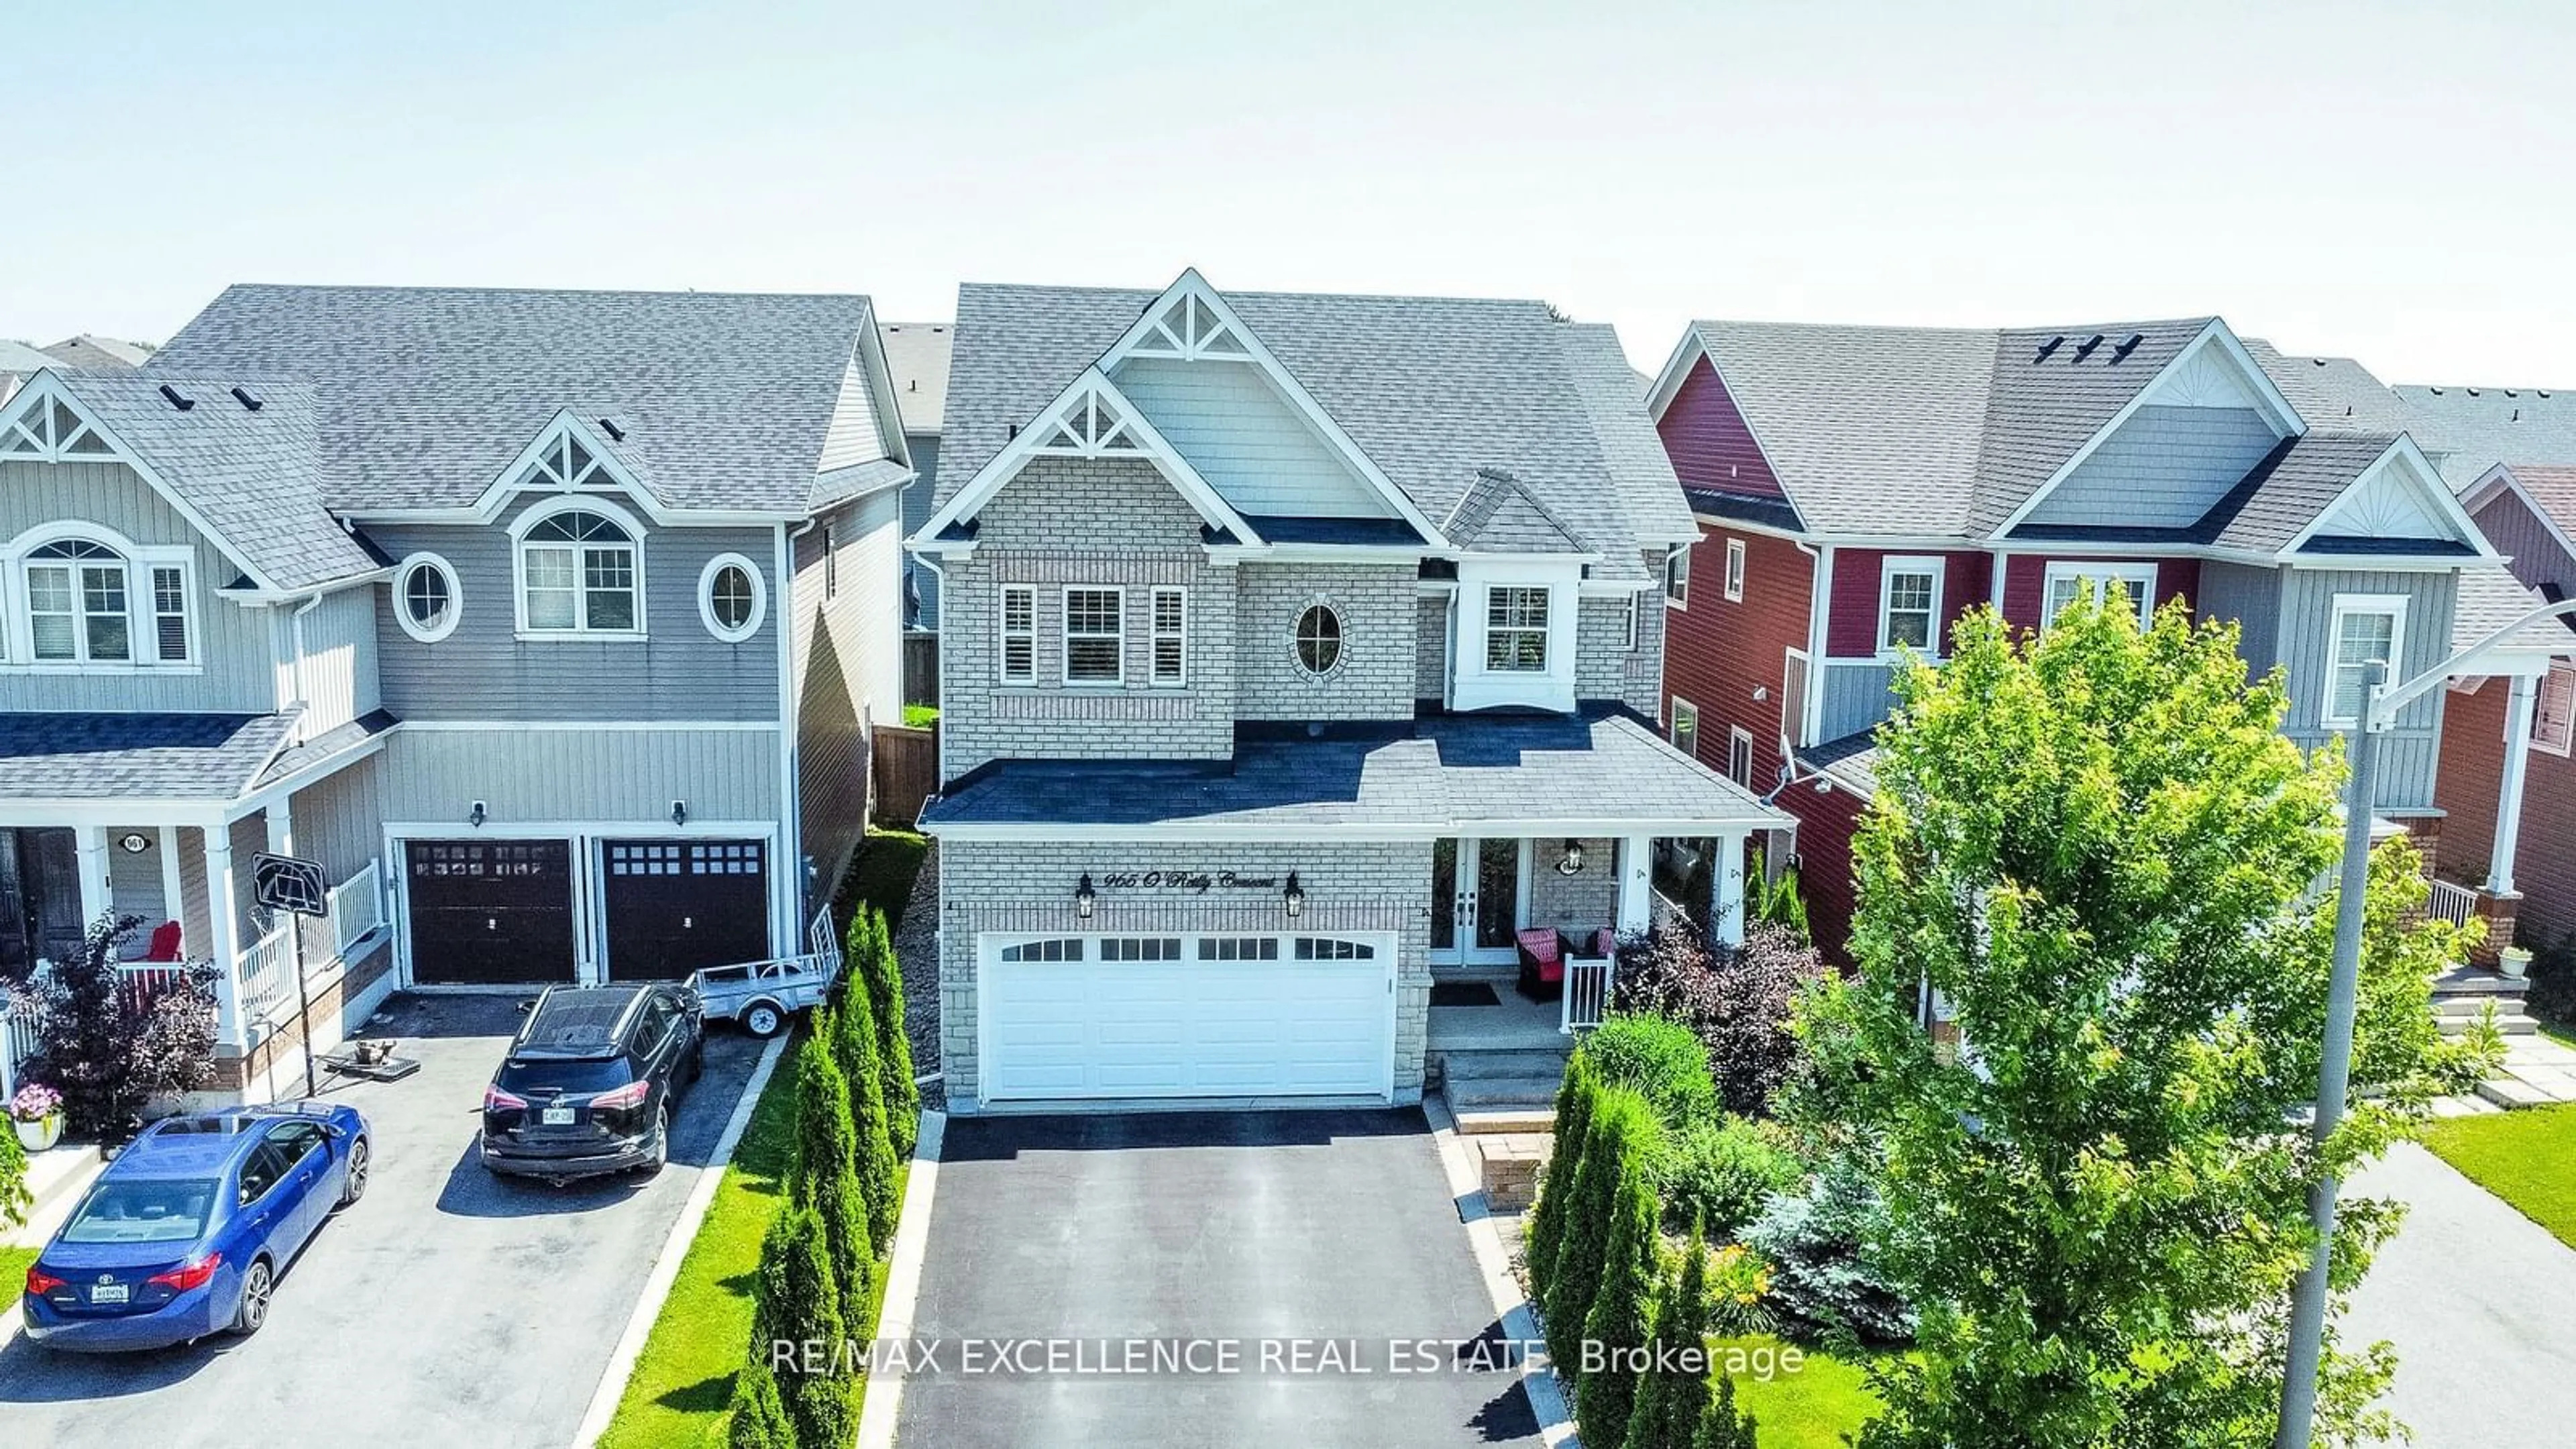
(1295, 651)
(551, 623)
(1860, 488)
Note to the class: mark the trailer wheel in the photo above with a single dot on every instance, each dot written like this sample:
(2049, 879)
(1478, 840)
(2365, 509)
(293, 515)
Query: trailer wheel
(763, 1018)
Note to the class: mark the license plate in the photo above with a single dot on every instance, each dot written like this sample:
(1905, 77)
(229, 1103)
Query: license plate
(555, 1116)
(108, 1293)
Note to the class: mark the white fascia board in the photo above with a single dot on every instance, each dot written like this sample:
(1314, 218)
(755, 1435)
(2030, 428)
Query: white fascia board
(2501, 479)
(1755, 817)
(1685, 355)
(2427, 482)
(123, 810)
(1752, 430)
(1191, 284)
(1028, 446)
(296, 596)
(869, 352)
(1319, 553)
(46, 387)
(2276, 409)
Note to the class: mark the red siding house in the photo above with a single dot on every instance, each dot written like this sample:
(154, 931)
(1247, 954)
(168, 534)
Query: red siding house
(1861, 489)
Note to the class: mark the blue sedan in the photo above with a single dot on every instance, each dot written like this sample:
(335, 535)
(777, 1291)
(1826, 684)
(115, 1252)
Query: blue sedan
(185, 1233)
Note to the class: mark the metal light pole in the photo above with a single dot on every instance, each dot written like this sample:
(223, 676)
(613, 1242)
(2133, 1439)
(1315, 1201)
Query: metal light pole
(2334, 1075)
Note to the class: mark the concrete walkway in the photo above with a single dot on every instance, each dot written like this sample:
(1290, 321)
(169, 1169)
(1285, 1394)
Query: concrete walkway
(2476, 1298)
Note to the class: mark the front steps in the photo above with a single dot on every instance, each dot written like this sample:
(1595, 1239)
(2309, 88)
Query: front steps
(2538, 1070)
(2463, 997)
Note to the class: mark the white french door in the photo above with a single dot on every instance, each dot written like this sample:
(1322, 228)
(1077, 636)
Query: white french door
(1479, 897)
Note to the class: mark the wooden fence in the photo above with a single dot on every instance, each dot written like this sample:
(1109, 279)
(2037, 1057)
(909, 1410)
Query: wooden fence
(906, 767)
(921, 669)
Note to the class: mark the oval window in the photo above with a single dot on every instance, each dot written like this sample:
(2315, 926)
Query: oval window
(731, 596)
(426, 598)
(1319, 640)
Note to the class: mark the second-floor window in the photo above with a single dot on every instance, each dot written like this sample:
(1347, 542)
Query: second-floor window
(1685, 727)
(88, 602)
(1019, 636)
(1735, 570)
(1095, 636)
(2368, 628)
(1516, 629)
(1677, 577)
(1171, 637)
(1909, 604)
(2553, 711)
(2068, 582)
(578, 574)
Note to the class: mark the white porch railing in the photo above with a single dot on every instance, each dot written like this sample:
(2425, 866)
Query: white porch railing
(267, 973)
(357, 907)
(2453, 903)
(1587, 993)
(17, 1043)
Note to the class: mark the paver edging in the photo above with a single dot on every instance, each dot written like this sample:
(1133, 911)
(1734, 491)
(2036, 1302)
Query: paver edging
(1512, 1307)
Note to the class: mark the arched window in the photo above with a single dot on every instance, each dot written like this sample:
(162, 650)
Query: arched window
(578, 574)
(427, 600)
(1319, 640)
(731, 597)
(77, 611)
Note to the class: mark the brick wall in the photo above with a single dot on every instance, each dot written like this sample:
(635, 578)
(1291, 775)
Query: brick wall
(2466, 786)
(1583, 902)
(1376, 676)
(1028, 886)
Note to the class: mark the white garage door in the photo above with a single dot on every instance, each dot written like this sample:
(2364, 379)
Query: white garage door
(1070, 1017)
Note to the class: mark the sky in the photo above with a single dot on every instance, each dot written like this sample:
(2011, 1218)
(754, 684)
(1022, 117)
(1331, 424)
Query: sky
(2385, 181)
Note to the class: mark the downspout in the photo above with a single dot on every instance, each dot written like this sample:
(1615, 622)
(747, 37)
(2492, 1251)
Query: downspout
(303, 687)
(939, 737)
(791, 822)
(1819, 602)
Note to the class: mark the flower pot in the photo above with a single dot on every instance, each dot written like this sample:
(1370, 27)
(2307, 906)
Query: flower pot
(40, 1134)
(2514, 961)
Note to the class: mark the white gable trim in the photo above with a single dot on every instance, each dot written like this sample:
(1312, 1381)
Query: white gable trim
(2501, 479)
(1150, 336)
(2214, 344)
(1677, 368)
(45, 389)
(602, 474)
(869, 353)
(2405, 463)
(1091, 418)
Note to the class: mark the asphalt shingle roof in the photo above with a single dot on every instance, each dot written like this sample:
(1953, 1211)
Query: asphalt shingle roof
(254, 475)
(1498, 515)
(94, 756)
(2553, 487)
(1444, 772)
(2490, 599)
(2054, 388)
(2473, 429)
(1430, 389)
(2289, 488)
(422, 396)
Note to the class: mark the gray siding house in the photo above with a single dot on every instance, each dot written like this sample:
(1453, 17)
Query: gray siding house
(1296, 652)
(551, 623)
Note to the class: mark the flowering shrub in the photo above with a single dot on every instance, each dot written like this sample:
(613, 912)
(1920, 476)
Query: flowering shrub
(1735, 1000)
(1738, 1282)
(35, 1102)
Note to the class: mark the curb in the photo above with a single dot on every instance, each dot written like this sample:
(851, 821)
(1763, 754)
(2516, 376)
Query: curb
(903, 1282)
(1511, 1307)
(666, 1267)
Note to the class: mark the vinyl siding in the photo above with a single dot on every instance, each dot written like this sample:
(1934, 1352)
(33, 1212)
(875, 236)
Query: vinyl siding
(2537, 558)
(1857, 696)
(483, 671)
(233, 642)
(339, 659)
(916, 512)
(2026, 582)
(854, 435)
(2408, 751)
(2252, 597)
(1708, 440)
(848, 671)
(1720, 651)
(1851, 627)
(1246, 440)
(579, 775)
(2164, 468)
(196, 926)
(134, 886)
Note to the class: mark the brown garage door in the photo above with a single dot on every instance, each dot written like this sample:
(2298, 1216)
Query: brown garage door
(677, 905)
(490, 912)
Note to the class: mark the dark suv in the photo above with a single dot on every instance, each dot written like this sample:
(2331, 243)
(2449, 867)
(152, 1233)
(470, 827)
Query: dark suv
(590, 1079)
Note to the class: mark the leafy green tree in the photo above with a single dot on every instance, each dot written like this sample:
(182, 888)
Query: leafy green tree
(1606, 1395)
(1574, 1098)
(15, 1199)
(827, 1179)
(1721, 1426)
(854, 1050)
(796, 1305)
(757, 1418)
(1673, 1393)
(873, 960)
(2096, 846)
(1614, 1144)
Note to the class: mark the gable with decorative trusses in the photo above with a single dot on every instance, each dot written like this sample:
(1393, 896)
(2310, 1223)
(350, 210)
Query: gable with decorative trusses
(2396, 501)
(1090, 419)
(43, 425)
(569, 456)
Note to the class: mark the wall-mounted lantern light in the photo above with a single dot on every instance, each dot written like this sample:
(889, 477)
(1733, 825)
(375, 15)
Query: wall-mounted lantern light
(679, 812)
(1084, 897)
(1294, 898)
(476, 815)
(1572, 864)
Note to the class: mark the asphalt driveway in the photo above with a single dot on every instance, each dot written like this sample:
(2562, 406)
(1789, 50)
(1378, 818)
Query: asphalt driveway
(1311, 1243)
(447, 1307)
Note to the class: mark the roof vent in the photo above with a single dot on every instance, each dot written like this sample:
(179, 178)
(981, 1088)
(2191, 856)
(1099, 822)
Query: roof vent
(177, 399)
(615, 433)
(2320, 362)
(2086, 350)
(2051, 345)
(242, 396)
(2121, 352)
(1015, 430)
(2473, 392)
(2509, 392)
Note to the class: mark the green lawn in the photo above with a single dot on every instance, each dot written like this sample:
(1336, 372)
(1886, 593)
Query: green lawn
(684, 1378)
(14, 1263)
(2563, 1035)
(1812, 1408)
(2521, 1157)
(882, 875)
(920, 716)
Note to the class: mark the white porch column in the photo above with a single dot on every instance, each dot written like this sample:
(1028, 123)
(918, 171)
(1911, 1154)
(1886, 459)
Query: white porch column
(94, 897)
(222, 933)
(1636, 883)
(1726, 890)
(2517, 754)
(281, 828)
